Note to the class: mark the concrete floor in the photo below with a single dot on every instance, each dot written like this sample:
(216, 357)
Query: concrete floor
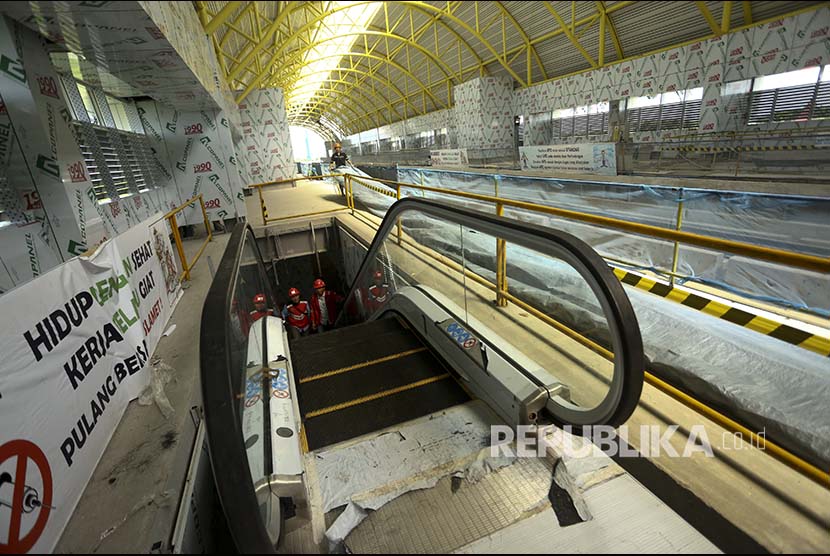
(286, 201)
(130, 503)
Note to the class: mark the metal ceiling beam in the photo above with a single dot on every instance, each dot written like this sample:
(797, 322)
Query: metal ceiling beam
(747, 7)
(502, 59)
(258, 79)
(347, 106)
(726, 19)
(609, 23)
(263, 40)
(570, 35)
(221, 17)
(350, 97)
(416, 34)
(701, 6)
(335, 116)
(235, 23)
(526, 40)
(381, 80)
(291, 62)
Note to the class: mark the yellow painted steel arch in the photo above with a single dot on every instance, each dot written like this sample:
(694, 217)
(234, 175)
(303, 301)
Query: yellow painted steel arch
(310, 25)
(334, 116)
(326, 133)
(477, 35)
(344, 105)
(526, 40)
(380, 80)
(350, 94)
(290, 63)
(383, 105)
(438, 62)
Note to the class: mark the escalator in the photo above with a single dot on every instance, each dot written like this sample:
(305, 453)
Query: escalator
(363, 378)
(437, 340)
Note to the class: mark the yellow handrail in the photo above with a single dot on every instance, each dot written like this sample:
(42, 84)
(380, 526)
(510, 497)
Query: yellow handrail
(171, 216)
(503, 296)
(799, 260)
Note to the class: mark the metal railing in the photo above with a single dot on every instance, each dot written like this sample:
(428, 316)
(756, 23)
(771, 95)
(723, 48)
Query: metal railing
(779, 256)
(503, 296)
(171, 217)
(264, 209)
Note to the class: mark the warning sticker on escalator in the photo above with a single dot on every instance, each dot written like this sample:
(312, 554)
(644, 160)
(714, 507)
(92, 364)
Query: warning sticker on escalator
(465, 340)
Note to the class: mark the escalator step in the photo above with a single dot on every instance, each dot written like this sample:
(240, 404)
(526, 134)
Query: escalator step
(351, 422)
(364, 381)
(350, 346)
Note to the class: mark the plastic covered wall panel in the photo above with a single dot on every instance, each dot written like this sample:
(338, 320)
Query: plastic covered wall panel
(267, 154)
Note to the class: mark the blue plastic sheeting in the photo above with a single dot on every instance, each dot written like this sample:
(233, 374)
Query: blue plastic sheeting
(769, 385)
(793, 223)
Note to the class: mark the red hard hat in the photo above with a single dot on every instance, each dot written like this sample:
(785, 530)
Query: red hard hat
(293, 291)
(378, 274)
(319, 284)
(259, 298)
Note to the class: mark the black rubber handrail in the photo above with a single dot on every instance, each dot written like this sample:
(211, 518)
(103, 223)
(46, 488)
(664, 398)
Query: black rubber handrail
(627, 343)
(228, 455)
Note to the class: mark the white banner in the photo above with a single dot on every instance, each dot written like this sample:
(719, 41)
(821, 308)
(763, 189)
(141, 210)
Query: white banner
(76, 344)
(586, 158)
(449, 157)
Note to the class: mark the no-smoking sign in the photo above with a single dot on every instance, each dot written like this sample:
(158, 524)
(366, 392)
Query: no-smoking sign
(25, 495)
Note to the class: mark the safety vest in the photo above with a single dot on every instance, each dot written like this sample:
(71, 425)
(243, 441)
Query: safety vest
(298, 315)
(256, 315)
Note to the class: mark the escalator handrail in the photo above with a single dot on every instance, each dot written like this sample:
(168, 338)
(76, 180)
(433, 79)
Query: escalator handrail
(229, 460)
(627, 342)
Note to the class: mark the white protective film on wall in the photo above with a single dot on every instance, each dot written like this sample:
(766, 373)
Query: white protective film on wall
(266, 138)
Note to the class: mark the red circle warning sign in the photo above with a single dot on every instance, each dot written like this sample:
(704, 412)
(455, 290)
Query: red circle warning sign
(251, 402)
(280, 393)
(25, 498)
(471, 342)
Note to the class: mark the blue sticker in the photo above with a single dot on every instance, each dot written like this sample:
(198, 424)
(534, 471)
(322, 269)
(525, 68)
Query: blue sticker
(461, 336)
(252, 387)
(280, 382)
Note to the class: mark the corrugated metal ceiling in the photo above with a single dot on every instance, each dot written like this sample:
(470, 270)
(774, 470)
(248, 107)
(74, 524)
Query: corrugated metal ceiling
(463, 39)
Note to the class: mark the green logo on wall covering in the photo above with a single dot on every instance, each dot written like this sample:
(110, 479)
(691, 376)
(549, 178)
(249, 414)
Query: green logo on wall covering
(48, 165)
(75, 248)
(12, 68)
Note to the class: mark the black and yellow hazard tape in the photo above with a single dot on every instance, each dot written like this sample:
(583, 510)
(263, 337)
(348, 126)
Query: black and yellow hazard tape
(264, 209)
(758, 323)
(745, 149)
(381, 190)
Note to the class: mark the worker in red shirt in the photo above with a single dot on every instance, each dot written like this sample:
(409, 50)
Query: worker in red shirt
(297, 315)
(324, 306)
(259, 308)
(378, 293)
